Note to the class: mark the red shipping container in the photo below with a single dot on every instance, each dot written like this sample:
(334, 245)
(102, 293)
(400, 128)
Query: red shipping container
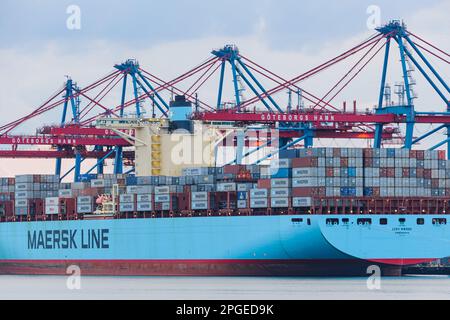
(420, 173)
(305, 192)
(368, 153)
(420, 154)
(383, 172)
(322, 192)
(368, 162)
(405, 173)
(264, 183)
(435, 183)
(441, 155)
(7, 208)
(36, 207)
(233, 169)
(376, 192)
(68, 206)
(336, 152)
(427, 173)
(305, 162)
(413, 154)
(184, 201)
(391, 172)
(330, 172)
(344, 162)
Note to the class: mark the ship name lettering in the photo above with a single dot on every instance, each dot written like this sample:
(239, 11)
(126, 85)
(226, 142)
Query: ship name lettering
(68, 239)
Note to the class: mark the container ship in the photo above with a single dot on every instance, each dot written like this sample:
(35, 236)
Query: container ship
(320, 211)
(297, 211)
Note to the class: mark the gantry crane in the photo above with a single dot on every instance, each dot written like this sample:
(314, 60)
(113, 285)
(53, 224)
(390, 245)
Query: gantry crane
(79, 135)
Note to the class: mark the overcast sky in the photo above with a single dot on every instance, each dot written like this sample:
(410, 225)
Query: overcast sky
(168, 37)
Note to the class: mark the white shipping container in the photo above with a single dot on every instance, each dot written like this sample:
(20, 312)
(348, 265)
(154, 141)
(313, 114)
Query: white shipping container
(126, 198)
(258, 203)
(143, 198)
(139, 189)
(21, 203)
(280, 183)
(162, 190)
(78, 185)
(165, 206)
(52, 209)
(65, 193)
(53, 201)
(84, 208)
(280, 192)
(195, 171)
(84, 200)
(304, 182)
(259, 193)
(144, 206)
(127, 207)
(24, 194)
(200, 205)
(23, 186)
(299, 202)
(244, 186)
(242, 204)
(162, 198)
(199, 196)
(226, 187)
(281, 163)
(279, 202)
(97, 183)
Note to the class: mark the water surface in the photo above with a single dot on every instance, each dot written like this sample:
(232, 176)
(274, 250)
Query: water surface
(191, 288)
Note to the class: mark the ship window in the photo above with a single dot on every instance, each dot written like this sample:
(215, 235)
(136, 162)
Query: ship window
(383, 221)
(345, 221)
(309, 222)
(297, 220)
(439, 221)
(332, 222)
(402, 220)
(364, 221)
(421, 221)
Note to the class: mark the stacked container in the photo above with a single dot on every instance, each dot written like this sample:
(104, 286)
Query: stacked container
(85, 204)
(30, 190)
(127, 203)
(165, 200)
(144, 202)
(7, 188)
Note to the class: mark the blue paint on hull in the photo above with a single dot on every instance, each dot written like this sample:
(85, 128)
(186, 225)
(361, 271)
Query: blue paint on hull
(237, 239)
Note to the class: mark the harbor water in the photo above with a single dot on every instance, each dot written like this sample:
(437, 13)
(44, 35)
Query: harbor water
(214, 288)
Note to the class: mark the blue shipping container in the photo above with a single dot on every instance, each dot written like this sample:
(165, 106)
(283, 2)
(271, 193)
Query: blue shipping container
(281, 173)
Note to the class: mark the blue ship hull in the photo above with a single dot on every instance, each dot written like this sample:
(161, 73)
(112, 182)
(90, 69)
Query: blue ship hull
(256, 245)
